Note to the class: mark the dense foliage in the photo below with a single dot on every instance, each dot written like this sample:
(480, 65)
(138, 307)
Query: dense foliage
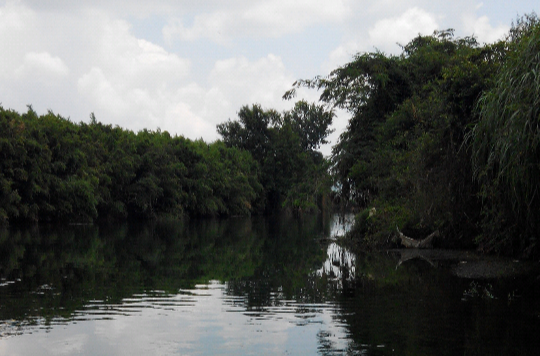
(293, 173)
(442, 137)
(506, 145)
(52, 169)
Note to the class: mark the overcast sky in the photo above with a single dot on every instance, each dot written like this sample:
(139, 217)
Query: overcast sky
(185, 65)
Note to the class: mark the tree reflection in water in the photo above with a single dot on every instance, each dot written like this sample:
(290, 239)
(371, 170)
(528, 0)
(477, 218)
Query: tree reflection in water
(251, 281)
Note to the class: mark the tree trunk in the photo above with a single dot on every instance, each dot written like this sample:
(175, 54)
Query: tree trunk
(412, 243)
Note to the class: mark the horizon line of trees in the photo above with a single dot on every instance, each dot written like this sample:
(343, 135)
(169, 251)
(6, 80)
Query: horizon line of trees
(444, 136)
(52, 169)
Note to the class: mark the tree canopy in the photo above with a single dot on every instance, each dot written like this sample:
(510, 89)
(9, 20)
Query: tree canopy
(294, 174)
(442, 137)
(52, 169)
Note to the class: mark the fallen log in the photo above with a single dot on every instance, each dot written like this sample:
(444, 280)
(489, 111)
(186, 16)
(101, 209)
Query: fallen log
(412, 254)
(412, 243)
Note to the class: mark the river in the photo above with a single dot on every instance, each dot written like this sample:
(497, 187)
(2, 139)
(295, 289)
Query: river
(248, 286)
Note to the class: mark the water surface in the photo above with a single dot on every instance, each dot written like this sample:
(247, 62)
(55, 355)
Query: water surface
(259, 286)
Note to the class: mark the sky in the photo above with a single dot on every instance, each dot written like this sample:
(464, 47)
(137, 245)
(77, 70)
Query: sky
(184, 66)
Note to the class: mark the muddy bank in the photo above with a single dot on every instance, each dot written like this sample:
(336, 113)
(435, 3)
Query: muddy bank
(468, 264)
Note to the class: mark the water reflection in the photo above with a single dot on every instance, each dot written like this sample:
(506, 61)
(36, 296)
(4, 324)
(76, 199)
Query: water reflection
(340, 264)
(245, 286)
(340, 224)
(211, 286)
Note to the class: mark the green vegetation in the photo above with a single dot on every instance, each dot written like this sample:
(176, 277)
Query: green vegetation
(54, 170)
(294, 175)
(506, 145)
(442, 137)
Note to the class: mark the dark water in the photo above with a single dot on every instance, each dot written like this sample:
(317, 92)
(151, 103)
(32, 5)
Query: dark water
(246, 287)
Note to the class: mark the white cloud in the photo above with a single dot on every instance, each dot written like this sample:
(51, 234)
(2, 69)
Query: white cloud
(96, 88)
(184, 108)
(285, 16)
(42, 64)
(401, 29)
(13, 17)
(258, 18)
(92, 62)
(262, 81)
(341, 55)
(213, 26)
(13, 31)
(384, 34)
(135, 62)
(110, 58)
(376, 32)
(481, 28)
(135, 83)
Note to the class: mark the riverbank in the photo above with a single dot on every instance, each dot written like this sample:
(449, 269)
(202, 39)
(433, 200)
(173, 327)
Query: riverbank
(469, 264)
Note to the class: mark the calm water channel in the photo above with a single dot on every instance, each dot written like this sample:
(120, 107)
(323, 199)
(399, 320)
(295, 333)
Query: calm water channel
(260, 286)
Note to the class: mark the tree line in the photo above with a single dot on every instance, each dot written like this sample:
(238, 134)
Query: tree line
(444, 136)
(52, 169)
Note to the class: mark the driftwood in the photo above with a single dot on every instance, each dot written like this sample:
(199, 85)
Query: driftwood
(412, 243)
(412, 254)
